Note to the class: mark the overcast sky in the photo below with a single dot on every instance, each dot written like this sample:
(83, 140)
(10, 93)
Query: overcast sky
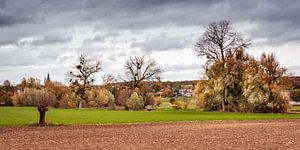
(41, 36)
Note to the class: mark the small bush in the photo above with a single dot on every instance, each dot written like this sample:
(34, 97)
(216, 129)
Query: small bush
(172, 100)
(135, 102)
(296, 95)
(185, 104)
(69, 100)
(123, 96)
(157, 101)
(25, 98)
(100, 98)
(119, 107)
(5, 99)
(211, 101)
(149, 99)
(176, 105)
(92, 104)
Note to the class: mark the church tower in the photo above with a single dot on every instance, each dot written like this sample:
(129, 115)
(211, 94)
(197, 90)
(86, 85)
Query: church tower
(47, 80)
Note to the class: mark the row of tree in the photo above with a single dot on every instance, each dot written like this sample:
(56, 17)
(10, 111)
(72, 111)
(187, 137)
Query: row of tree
(235, 81)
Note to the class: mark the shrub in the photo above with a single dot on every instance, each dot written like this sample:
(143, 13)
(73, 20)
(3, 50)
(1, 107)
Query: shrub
(172, 100)
(100, 98)
(167, 92)
(209, 100)
(185, 104)
(135, 102)
(25, 98)
(123, 96)
(5, 99)
(58, 90)
(69, 100)
(157, 101)
(149, 99)
(276, 101)
(92, 104)
(296, 95)
(176, 105)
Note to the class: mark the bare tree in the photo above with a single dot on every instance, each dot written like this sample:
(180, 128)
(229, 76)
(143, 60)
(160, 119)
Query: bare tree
(82, 77)
(218, 40)
(42, 99)
(139, 69)
(108, 79)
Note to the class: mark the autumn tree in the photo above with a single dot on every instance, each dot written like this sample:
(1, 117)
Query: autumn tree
(39, 98)
(58, 90)
(6, 93)
(7, 85)
(29, 83)
(135, 102)
(42, 99)
(264, 85)
(100, 98)
(157, 86)
(82, 77)
(218, 40)
(236, 64)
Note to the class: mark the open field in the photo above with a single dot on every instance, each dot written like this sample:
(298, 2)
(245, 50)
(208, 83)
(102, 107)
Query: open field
(267, 134)
(20, 116)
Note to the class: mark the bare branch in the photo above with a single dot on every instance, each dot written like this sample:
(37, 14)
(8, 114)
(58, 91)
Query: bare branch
(139, 68)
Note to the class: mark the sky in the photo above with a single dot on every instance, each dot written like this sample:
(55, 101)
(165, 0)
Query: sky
(47, 36)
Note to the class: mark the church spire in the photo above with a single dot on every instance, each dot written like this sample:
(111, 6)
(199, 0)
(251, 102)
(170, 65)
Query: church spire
(48, 77)
(47, 80)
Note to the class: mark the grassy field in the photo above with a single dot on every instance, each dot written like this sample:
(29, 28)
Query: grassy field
(19, 116)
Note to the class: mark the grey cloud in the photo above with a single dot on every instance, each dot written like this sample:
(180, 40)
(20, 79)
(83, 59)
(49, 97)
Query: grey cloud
(295, 69)
(6, 20)
(181, 67)
(18, 12)
(121, 54)
(96, 39)
(160, 43)
(53, 38)
(13, 35)
(101, 37)
(15, 57)
(55, 22)
(141, 14)
(275, 34)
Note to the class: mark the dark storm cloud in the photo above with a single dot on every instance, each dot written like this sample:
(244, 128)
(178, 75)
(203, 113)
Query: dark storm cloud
(279, 16)
(11, 20)
(14, 12)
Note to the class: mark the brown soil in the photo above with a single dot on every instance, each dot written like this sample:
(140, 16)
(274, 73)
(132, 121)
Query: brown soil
(275, 134)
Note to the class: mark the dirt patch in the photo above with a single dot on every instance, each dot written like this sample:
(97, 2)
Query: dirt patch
(272, 134)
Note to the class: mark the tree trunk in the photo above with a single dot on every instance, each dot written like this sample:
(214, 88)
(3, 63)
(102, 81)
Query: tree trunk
(56, 104)
(80, 103)
(42, 111)
(223, 100)
(236, 107)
